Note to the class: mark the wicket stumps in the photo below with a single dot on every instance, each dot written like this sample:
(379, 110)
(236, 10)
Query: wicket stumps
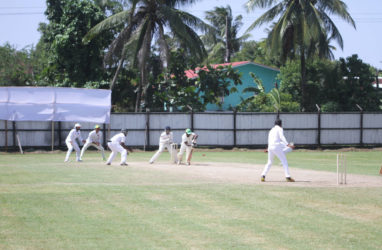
(341, 169)
(174, 151)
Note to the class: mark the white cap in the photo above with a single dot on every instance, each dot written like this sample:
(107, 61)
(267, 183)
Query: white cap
(77, 125)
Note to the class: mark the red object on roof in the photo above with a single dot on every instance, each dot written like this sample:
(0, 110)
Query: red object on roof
(192, 73)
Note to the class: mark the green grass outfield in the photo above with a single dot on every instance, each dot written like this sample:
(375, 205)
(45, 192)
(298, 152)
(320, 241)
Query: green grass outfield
(47, 204)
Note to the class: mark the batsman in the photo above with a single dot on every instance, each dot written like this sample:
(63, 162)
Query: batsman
(188, 144)
(166, 140)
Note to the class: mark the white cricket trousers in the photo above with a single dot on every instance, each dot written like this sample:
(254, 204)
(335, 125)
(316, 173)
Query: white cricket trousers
(88, 144)
(183, 148)
(162, 147)
(115, 148)
(279, 151)
(71, 146)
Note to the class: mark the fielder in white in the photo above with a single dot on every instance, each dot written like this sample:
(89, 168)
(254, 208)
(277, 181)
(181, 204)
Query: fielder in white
(71, 142)
(165, 141)
(118, 144)
(94, 139)
(277, 146)
(188, 142)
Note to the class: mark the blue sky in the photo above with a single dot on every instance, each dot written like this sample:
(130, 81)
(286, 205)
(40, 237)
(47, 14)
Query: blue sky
(19, 21)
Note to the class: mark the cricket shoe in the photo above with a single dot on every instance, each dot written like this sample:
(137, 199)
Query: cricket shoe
(124, 164)
(188, 164)
(262, 178)
(289, 179)
(108, 163)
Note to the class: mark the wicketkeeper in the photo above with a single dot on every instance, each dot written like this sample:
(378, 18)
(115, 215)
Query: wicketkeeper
(95, 140)
(188, 143)
(118, 144)
(71, 142)
(166, 140)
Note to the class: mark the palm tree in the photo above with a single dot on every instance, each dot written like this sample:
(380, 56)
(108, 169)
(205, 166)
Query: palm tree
(222, 40)
(300, 24)
(142, 24)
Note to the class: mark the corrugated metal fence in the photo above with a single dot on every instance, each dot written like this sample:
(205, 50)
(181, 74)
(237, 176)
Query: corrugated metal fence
(227, 129)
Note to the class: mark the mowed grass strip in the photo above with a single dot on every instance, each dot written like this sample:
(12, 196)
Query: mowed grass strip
(46, 204)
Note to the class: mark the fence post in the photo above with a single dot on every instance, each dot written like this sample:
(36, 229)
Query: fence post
(147, 127)
(360, 125)
(234, 127)
(14, 134)
(6, 135)
(104, 135)
(318, 125)
(59, 135)
(52, 135)
(192, 120)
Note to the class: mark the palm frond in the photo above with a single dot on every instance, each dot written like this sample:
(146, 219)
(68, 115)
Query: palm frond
(109, 23)
(251, 4)
(267, 17)
(338, 8)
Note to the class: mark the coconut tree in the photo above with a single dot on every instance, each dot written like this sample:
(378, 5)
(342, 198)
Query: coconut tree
(142, 24)
(299, 24)
(222, 41)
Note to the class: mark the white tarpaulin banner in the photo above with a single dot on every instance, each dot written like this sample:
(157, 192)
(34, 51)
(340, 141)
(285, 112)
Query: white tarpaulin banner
(55, 104)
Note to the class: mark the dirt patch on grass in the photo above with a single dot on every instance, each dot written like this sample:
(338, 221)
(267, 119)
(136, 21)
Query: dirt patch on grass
(240, 173)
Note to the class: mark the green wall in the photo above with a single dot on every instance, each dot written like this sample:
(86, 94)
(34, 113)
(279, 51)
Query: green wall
(267, 75)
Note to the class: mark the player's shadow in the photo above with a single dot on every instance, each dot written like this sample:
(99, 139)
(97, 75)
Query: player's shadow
(199, 164)
(281, 181)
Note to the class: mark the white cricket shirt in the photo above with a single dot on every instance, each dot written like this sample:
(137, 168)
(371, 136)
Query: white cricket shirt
(73, 135)
(94, 137)
(166, 138)
(276, 136)
(118, 138)
(188, 139)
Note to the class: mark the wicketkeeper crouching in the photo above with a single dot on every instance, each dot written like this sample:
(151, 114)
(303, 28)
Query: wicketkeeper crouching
(188, 143)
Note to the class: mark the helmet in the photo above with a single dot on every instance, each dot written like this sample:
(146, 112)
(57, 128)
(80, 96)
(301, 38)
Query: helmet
(96, 126)
(124, 131)
(167, 128)
(188, 131)
(77, 125)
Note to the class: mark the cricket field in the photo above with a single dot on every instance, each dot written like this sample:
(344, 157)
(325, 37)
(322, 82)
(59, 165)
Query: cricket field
(216, 203)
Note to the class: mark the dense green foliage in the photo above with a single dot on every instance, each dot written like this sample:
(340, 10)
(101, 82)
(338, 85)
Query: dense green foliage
(143, 24)
(71, 62)
(260, 101)
(336, 86)
(301, 29)
(15, 66)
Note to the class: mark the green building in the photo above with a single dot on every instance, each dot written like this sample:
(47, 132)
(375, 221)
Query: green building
(268, 76)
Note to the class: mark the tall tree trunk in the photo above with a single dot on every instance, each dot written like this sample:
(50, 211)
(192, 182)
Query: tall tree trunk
(120, 63)
(123, 54)
(227, 39)
(145, 50)
(303, 78)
